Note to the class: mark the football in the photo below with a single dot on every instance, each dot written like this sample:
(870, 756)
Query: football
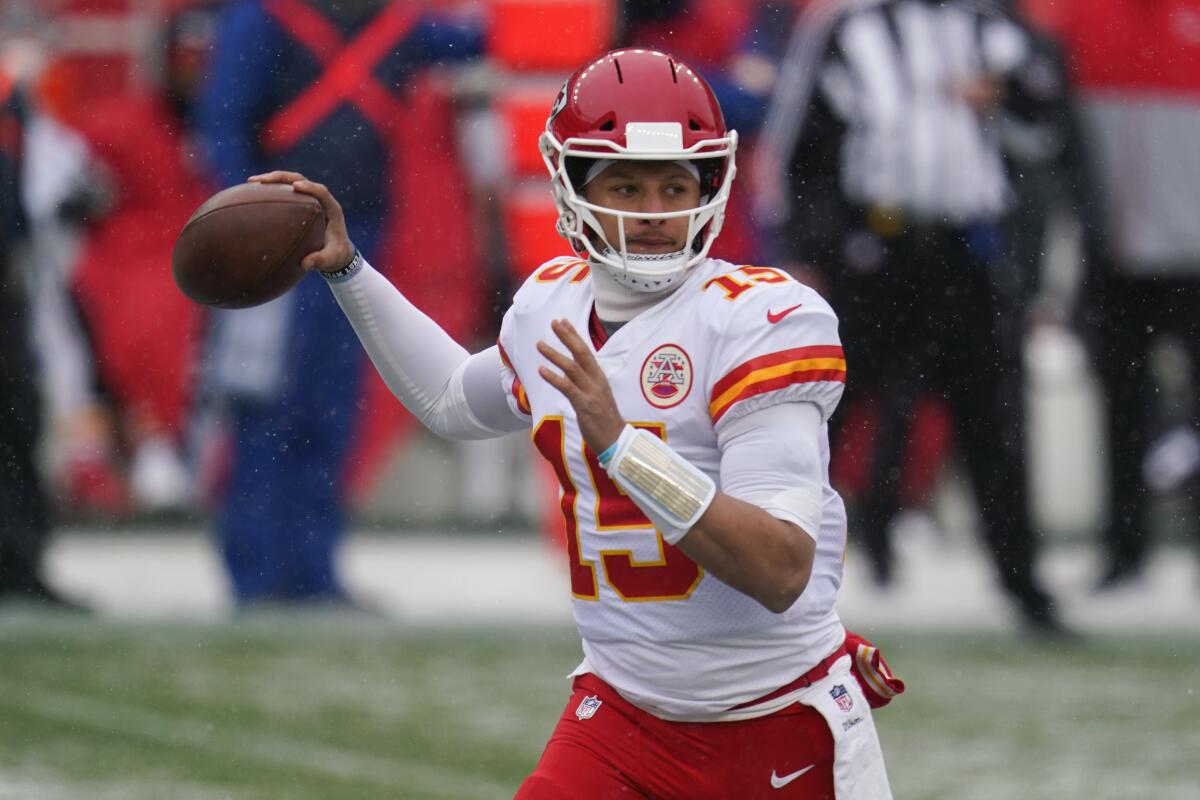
(243, 246)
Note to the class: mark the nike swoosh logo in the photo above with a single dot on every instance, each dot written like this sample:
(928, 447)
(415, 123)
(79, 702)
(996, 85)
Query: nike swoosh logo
(773, 317)
(778, 782)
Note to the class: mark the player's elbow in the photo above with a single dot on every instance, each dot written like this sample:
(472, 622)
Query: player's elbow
(787, 591)
(789, 577)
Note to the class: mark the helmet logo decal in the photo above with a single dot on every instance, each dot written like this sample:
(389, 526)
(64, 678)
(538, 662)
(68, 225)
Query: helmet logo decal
(560, 102)
(666, 376)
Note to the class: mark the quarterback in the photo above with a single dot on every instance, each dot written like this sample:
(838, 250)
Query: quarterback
(682, 402)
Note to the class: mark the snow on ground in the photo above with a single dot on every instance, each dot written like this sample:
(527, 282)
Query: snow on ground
(445, 579)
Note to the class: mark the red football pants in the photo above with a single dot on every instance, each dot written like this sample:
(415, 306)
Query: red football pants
(623, 752)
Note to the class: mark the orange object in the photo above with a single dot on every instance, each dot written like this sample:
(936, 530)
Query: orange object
(529, 222)
(523, 109)
(549, 34)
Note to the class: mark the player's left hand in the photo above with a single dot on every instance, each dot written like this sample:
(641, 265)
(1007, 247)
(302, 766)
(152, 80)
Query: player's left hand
(584, 384)
(338, 249)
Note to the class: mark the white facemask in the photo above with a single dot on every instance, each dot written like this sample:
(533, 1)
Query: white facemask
(579, 223)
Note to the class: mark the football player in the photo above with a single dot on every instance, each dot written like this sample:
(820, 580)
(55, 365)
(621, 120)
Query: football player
(682, 402)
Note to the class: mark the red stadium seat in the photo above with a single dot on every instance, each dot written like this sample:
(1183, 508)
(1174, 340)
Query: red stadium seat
(549, 34)
(523, 107)
(529, 218)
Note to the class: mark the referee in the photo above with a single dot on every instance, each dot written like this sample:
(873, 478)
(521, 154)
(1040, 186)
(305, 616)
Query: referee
(881, 168)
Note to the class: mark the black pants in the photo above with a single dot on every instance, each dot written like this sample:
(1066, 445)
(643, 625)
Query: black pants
(1134, 312)
(927, 315)
(23, 518)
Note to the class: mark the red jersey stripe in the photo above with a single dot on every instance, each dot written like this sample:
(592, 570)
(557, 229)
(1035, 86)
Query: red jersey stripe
(522, 399)
(770, 383)
(504, 357)
(518, 391)
(796, 354)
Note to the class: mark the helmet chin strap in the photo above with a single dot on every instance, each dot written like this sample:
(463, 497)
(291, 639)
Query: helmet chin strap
(621, 297)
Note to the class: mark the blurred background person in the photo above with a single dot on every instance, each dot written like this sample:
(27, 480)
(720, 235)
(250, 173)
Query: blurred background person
(144, 331)
(58, 189)
(882, 169)
(314, 86)
(1136, 68)
(24, 513)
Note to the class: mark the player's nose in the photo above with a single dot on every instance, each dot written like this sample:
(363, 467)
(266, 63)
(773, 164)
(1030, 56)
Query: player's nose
(652, 203)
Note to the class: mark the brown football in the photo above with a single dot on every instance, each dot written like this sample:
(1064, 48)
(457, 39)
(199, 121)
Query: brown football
(244, 245)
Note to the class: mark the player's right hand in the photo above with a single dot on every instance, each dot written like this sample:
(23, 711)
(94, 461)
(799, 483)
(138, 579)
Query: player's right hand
(584, 384)
(338, 249)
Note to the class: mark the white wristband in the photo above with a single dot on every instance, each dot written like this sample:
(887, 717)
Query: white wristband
(670, 491)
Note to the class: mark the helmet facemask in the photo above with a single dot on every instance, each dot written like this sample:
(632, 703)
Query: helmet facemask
(577, 217)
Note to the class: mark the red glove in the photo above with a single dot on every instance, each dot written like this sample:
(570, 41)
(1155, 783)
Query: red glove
(872, 672)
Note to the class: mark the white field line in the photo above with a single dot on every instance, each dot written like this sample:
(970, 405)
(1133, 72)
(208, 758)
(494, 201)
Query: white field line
(290, 752)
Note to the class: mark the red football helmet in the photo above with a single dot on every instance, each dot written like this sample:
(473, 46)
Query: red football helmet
(641, 105)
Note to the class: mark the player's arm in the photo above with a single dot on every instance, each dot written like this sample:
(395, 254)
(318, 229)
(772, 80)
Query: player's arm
(740, 542)
(455, 394)
(759, 533)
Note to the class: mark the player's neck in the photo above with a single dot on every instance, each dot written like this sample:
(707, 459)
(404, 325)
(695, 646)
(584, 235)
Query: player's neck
(617, 304)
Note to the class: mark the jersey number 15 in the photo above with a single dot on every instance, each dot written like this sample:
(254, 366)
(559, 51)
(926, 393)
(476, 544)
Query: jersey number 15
(672, 577)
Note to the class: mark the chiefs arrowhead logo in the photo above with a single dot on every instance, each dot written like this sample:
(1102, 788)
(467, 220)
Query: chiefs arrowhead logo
(666, 376)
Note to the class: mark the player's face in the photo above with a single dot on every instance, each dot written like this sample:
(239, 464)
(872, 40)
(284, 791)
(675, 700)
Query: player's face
(648, 187)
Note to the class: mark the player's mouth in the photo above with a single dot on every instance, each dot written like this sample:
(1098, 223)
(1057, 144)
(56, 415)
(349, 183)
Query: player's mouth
(651, 244)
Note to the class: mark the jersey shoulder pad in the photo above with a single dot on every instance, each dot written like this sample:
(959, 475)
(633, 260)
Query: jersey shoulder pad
(558, 274)
(739, 299)
(777, 342)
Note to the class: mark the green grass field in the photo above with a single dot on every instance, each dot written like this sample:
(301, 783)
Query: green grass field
(281, 706)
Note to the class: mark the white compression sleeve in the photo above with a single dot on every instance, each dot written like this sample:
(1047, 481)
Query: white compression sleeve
(772, 459)
(455, 394)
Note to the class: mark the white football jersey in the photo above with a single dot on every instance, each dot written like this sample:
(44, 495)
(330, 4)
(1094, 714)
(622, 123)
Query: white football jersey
(731, 339)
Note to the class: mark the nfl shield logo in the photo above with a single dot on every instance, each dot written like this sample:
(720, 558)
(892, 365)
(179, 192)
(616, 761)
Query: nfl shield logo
(588, 707)
(844, 701)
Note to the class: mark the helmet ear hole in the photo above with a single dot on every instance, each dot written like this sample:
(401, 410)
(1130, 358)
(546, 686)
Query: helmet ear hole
(711, 172)
(577, 171)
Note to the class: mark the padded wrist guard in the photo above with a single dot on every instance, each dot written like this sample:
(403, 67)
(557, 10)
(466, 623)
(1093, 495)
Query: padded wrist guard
(668, 490)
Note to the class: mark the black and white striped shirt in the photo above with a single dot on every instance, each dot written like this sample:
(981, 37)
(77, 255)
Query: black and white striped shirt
(889, 73)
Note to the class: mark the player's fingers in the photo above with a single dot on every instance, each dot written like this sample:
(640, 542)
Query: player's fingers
(338, 249)
(558, 382)
(329, 258)
(329, 203)
(276, 176)
(569, 368)
(566, 332)
(334, 217)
